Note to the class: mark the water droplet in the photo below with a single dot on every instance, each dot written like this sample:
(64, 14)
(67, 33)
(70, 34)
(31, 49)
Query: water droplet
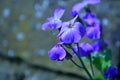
(38, 14)
(6, 12)
(61, 3)
(10, 53)
(37, 7)
(20, 36)
(105, 22)
(45, 4)
(41, 52)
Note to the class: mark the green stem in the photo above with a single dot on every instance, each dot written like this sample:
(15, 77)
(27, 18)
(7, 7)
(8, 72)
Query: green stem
(91, 66)
(75, 63)
(78, 55)
(72, 59)
(83, 63)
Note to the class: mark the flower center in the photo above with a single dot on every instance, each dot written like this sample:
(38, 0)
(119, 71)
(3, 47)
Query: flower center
(70, 25)
(55, 20)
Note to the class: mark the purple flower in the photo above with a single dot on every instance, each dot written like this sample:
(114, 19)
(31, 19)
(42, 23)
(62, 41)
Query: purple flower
(54, 22)
(89, 18)
(76, 8)
(79, 6)
(85, 49)
(57, 53)
(93, 32)
(100, 45)
(71, 32)
(92, 2)
(111, 73)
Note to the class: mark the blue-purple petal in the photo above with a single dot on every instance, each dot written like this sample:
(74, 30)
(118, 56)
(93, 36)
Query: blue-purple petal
(89, 18)
(55, 25)
(57, 53)
(93, 32)
(80, 28)
(58, 13)
(50, 19)
(45, 26)
(92, 1)
(79, 6)
(54, 22)
(85, 49)
(71, 34)
(73, 20)
(112, 73)
(67, 36)
(76, 8)
(100, 45)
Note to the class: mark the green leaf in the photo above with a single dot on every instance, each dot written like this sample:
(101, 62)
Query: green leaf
(99, 77)
(105, 65)
(98, 61)
(108, 54)
(101, 63)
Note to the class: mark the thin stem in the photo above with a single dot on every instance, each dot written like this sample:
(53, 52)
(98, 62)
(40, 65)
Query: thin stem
(91, 65)
(75, 52)
(75, 63)
(83, 63)
(72, 59)
(78, 55)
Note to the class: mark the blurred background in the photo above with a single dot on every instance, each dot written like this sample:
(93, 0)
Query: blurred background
(24, 46)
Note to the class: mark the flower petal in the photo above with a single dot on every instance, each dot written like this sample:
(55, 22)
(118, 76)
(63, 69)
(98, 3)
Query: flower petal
(50, 19)
(100, 45)
(93, 32)
(71, 22)
(112, 73)
(71, 34)
(67, 36)
(54, 24)
(57, 53)
(64, 27)
(92, 1)
(45, 26)
(76, 8)
(58, 13)
(79, 28)
(89, 18)
(85, 49)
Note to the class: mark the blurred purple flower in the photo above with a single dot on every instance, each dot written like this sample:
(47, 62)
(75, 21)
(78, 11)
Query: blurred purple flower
(79, 6)
(100, 45)
(54, 22)
(93, 32)
(76, 8)
(112, 73)
(71, 32)
(89, 18)
(57, 53)
(92, 2)
(85, 49)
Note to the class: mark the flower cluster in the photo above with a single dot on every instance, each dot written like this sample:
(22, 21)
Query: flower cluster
(72, 31)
